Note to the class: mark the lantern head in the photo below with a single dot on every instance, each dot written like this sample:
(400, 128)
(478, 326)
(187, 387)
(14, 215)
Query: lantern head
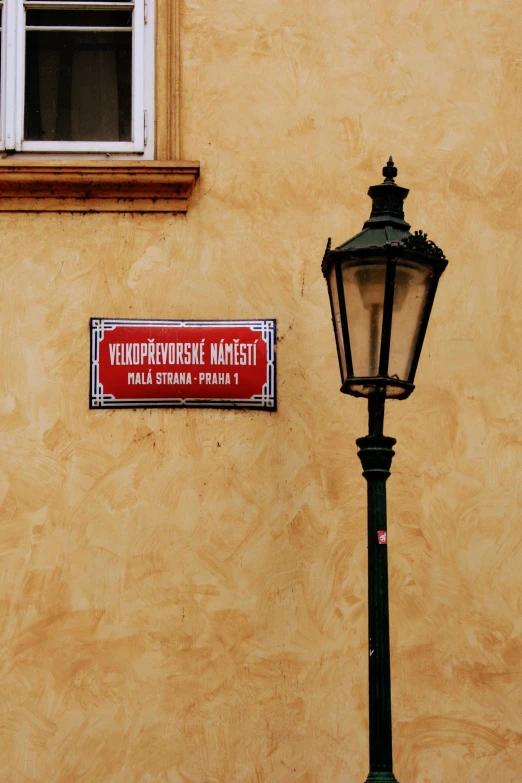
(382, 284)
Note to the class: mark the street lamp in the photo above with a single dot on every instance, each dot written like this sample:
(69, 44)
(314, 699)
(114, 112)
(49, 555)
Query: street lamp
(382, 284)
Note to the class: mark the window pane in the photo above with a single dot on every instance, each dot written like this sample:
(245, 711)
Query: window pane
(82, 2)
(78, 86)
(38, 18)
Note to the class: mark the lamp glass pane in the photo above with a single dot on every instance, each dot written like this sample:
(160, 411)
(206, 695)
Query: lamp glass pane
(364, 296)
(412, 283)
(336, 313)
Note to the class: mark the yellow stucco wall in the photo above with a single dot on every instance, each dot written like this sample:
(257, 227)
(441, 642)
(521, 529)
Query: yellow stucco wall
(183, 593)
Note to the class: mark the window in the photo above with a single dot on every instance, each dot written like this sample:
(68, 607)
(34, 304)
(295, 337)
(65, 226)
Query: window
(91, 80)
(77, 77)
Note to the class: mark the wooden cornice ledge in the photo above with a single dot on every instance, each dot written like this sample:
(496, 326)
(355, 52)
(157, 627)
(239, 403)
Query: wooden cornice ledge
(96, 185)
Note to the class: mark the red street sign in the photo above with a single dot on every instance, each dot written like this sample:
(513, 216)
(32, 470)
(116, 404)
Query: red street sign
(163, 364)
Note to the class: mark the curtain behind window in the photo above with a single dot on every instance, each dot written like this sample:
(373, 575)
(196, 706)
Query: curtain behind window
(78, 86)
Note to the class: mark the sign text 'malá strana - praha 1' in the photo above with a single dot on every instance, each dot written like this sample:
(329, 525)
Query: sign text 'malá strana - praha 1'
(145, 363)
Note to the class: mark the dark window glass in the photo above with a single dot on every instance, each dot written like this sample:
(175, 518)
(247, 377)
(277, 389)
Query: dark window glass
(82, 2)
(78, 86)
(39, 18)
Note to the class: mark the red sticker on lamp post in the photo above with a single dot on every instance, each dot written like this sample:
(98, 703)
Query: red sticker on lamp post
(164, 364)
(382, 536)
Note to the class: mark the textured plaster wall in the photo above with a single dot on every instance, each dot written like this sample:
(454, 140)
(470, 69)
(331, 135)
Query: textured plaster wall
(183, 594)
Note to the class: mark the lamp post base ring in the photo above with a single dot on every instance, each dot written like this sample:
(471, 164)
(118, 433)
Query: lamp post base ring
(381, 777)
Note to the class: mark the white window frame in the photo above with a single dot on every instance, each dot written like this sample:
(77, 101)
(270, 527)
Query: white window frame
(13, 83)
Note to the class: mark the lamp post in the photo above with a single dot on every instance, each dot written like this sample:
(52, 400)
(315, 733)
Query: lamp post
(382, 284)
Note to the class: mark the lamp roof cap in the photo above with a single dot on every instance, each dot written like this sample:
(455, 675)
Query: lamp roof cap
(386, 228)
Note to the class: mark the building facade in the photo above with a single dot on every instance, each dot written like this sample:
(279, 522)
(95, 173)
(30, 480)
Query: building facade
(183, 592)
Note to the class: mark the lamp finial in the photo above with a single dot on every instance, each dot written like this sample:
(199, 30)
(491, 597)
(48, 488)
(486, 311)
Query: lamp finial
(389, 171)
(388, 201)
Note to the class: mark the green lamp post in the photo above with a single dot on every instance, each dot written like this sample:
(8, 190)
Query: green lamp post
(382, 284)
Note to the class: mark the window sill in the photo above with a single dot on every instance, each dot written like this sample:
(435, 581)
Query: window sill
(96, 185)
